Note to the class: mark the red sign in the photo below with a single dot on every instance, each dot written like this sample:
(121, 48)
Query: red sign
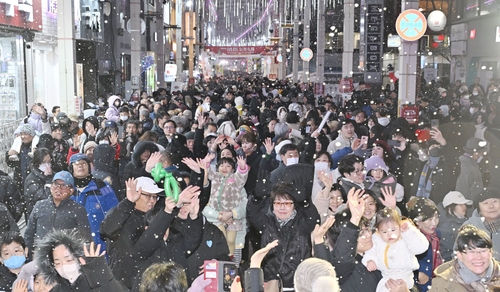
(410, 113)
(472, 34)
(239, 50)
(272, 76)
(346, 85)
(27, 16)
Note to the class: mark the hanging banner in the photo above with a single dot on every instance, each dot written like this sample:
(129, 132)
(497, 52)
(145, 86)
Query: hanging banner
(239, 50)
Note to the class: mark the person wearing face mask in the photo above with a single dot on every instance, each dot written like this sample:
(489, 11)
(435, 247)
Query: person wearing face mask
(40, 175)
(64, 259)
(13, 253)
(434, 178)
(113, 113)
(289, 155)
(470, 180)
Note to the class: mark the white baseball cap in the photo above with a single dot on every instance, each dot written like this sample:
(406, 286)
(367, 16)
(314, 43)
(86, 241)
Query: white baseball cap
(455, 197)
(148, 185)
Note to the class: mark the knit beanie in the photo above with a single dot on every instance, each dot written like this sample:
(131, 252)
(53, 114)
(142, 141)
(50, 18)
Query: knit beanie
(27, 129)
(375, 162)
(488, 193)
(421, 209)
(315, 274)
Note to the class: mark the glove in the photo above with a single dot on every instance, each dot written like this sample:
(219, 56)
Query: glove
(263, 185)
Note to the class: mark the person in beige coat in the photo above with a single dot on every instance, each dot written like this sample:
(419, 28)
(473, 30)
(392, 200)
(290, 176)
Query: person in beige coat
(474, 269)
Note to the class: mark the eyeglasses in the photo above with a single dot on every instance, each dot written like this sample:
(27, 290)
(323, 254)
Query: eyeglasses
(283, 204)
(151, 197)
(476, 252)
(60, 186)
(359, 171)
(364, 232)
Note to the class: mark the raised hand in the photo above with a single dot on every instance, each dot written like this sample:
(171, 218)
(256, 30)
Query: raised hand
(133, 195)
(194, 207)
(356, 143)
(113, 138)
(202, 121)
(218, 141)
(20, 286)
(193, 165)
(209, 157)
(91, 252)
(187, 195)
(437, 135)
(259, 255)
(389, 199)
(319, 232)
(325, 177)
(152, 161)
(169, 205)
(269, 145)
(356, 202)
(242, 162)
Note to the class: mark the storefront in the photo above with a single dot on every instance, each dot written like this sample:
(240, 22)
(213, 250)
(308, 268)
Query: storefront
(476, 42)
(18, 22)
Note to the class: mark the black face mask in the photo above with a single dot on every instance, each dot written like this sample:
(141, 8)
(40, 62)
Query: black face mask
(435, 152)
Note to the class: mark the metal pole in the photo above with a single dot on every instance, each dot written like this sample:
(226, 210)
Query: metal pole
(178, 38)
(282, 71)
(307, 39)
(347, 55)
(320, 39)
(67, 55)
(135, 43)
(408, 62)
(160, 46)
(295, 64)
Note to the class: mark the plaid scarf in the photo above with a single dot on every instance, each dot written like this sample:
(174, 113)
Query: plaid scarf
(492, 227)
(425, 181)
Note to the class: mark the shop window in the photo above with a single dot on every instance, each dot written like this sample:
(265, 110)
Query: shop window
(489, 6)
(11, 79)
(471, 8)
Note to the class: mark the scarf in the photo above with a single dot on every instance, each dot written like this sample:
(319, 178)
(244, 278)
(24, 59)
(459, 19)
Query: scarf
(283, 222)
(81, 183)
(425, 181)
(492, 227)
(434, 244)
(471, 281)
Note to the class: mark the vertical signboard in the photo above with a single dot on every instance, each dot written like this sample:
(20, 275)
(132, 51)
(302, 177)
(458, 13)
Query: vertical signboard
(372, 34)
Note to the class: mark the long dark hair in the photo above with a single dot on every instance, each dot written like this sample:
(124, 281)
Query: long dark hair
(38, 157)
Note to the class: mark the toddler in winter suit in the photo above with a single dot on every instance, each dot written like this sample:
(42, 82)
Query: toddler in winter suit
(225, 197)
(395, 245)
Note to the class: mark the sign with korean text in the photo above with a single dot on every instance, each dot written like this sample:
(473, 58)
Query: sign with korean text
(411, 25)
(239, 50)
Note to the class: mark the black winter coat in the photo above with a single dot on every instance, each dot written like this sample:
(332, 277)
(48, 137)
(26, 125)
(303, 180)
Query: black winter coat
(34, 189)
(7, 222)
(135, 168)
(352, 274)
(122, 227)
(7, 278)
(294, 236)
(183, 239)
(10, 196)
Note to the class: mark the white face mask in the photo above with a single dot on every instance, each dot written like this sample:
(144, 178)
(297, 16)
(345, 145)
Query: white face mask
(292, 161)
(321, 166)
(124, 118)
(45, 166)
(471, 110)
(179, 130)
(69, 272)
(475, 93)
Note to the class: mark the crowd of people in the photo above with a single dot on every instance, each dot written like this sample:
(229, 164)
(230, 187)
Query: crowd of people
(322, 194)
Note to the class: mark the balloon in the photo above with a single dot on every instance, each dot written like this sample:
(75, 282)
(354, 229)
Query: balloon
(436, 20)
(170, 185)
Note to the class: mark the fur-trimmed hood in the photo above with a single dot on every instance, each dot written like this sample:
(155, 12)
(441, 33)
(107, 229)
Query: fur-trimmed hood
(140, 148)
(43, 255)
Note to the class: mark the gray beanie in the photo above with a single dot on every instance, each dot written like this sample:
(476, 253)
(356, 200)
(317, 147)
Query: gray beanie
(28, 129)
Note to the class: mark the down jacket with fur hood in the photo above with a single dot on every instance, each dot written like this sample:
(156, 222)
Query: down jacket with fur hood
(135, 168)
(95, 274)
